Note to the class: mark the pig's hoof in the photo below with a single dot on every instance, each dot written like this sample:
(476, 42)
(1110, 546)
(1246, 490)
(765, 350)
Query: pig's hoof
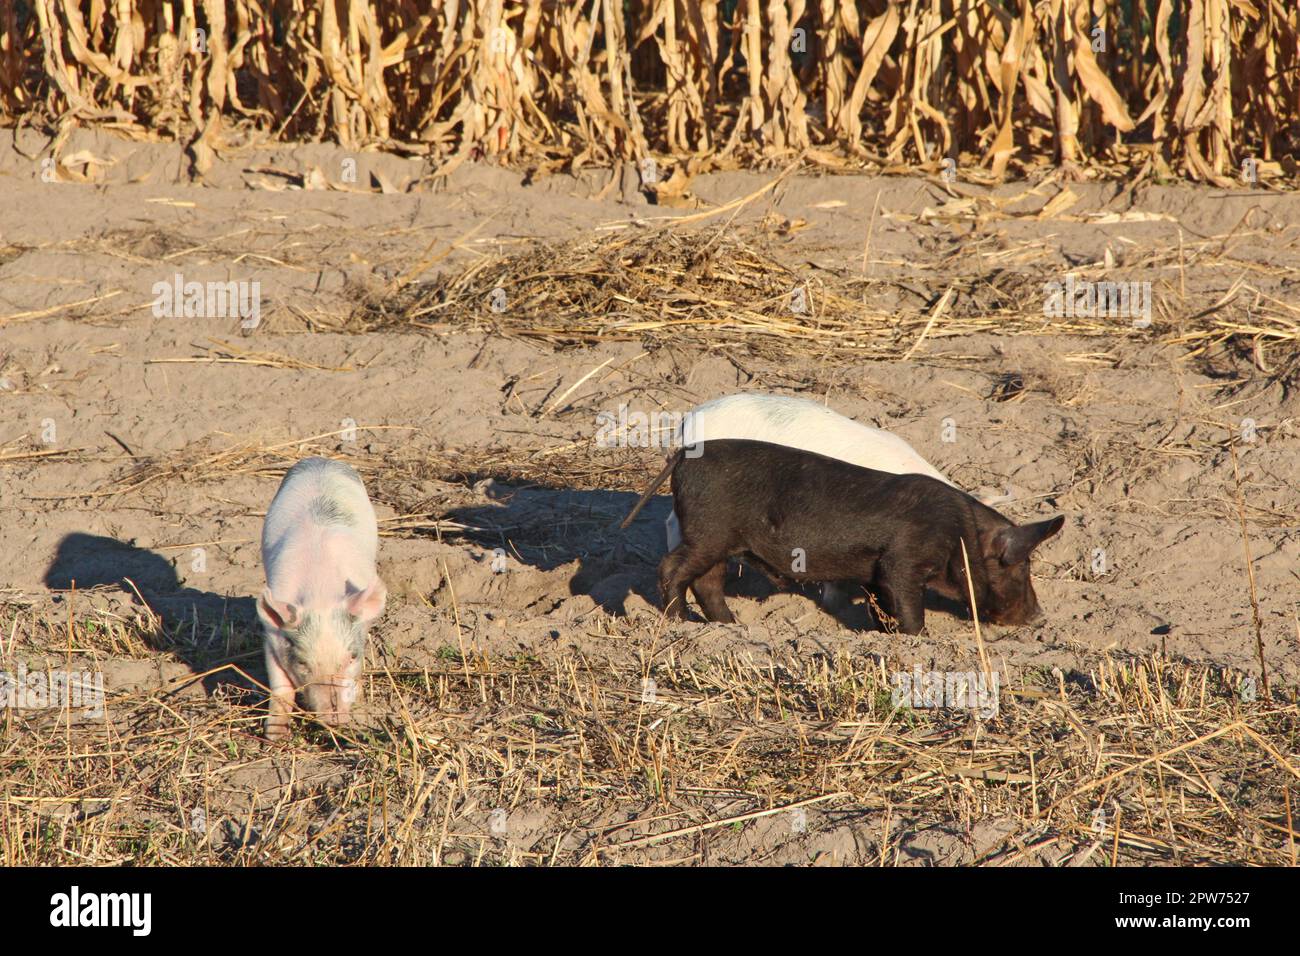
(675, 610)
(277, 728)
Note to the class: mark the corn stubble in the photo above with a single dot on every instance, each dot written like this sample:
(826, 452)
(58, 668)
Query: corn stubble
(1192, 87)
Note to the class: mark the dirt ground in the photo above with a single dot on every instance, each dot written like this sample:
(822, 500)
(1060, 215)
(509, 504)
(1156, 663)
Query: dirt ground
(506, 717)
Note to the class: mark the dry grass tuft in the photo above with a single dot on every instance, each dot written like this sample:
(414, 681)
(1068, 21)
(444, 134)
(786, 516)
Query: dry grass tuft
(731, 286)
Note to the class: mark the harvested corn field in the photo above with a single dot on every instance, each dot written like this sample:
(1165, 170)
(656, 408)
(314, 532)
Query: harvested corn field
(1197, 88)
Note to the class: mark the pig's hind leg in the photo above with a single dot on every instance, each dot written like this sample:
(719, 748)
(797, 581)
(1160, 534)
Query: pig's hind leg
(708, 588)
(678, 570)
(672, 585)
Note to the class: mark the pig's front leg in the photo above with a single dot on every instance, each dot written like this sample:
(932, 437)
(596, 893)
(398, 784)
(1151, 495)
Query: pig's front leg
(911, 610)
(905, 594)
(280, 706)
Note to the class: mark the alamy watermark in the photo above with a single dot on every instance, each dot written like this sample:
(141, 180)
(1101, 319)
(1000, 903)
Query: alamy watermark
(657, 429)
(963, 690)
(208, 300)
(75, 908)
(46, 690)
(1082, 298)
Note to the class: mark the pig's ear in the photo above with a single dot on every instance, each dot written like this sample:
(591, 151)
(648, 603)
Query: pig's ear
(1014, 543)
(367, 605)
(275, 613)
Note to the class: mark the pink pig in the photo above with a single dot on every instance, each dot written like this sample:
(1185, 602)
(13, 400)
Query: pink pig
(318, 549)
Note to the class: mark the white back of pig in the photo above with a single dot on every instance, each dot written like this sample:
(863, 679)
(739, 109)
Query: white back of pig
(803, 424)
(320, 535)
(319, 543)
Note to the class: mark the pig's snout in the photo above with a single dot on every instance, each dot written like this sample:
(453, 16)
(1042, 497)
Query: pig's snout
(1033, 610)
(330, 700)
(1016, 611)
(1029, 612)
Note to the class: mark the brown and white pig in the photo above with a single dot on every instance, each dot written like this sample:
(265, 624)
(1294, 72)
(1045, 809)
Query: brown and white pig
(804, 424)
(806, 517)
(322, 591)
(797, 423)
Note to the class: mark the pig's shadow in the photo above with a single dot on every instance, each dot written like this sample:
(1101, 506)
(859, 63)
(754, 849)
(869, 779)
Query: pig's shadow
(548, 528)
(203, 629)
